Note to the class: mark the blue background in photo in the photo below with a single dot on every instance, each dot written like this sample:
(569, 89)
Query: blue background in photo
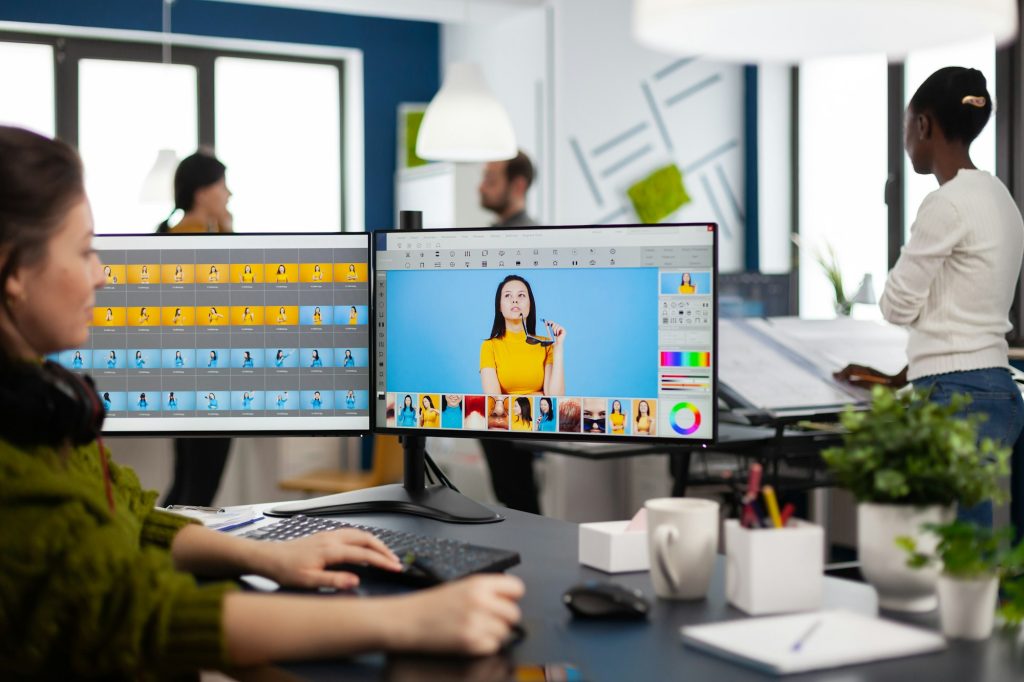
(203, 401)
(362, 400)
(627, 411)
(341, 313)
(237, 404)
(238, 357)
(326, 314)
(451, 418)
(361, 356)
(326, 397)
(437, 321)
(548, 425)
(326, 356)
(186, 399)
(291, 357)
(118, 400)
(152, 401)
(670, 282)
(99, 358)
(271, 400)
(187, 354)
(66, 358)
(203, 358)
(150, 358)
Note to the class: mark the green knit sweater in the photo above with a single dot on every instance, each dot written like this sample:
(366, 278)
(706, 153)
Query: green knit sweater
(89, 593)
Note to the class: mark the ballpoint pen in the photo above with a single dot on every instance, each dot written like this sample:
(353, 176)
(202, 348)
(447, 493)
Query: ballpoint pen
(799, 643)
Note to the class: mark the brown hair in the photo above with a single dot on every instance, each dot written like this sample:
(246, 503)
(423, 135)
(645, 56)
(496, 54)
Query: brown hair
(520, 167)
(40, 181)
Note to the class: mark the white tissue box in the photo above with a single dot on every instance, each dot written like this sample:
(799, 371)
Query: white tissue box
(774, 570)
(609, 547)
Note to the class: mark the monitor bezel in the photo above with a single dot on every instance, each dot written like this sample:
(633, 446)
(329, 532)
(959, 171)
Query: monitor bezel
(275, 433)
(558, 436)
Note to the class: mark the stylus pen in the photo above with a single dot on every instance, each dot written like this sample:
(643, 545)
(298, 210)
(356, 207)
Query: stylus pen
(806, 636)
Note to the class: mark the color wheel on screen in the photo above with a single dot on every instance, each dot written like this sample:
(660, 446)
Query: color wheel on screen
(684, 413)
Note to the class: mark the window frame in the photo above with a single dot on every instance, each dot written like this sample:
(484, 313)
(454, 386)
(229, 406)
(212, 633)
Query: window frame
(72, 45)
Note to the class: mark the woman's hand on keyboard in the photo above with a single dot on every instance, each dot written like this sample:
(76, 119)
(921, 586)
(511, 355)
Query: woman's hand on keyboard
(471, 616)
(303, 562)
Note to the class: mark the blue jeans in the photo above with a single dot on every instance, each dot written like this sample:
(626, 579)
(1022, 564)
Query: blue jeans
(994, 393)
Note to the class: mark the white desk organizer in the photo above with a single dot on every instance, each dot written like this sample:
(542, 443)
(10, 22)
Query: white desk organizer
(774, 570)
(609, 547)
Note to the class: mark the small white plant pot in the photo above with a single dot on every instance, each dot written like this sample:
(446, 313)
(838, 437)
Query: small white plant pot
(967, 607)
(884, 565)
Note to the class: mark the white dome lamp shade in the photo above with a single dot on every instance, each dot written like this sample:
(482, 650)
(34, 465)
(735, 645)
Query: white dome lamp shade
(792, 30)
(465, 122)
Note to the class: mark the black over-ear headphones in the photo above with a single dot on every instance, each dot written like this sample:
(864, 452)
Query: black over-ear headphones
(48, 405)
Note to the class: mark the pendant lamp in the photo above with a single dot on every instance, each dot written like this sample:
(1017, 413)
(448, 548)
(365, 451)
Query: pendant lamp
(791, 30)
(465, 121)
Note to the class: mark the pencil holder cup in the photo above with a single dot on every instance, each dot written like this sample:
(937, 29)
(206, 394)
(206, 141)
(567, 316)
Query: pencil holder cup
(774, 570)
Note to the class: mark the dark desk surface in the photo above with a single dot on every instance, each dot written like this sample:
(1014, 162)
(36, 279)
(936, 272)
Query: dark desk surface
(627, 651)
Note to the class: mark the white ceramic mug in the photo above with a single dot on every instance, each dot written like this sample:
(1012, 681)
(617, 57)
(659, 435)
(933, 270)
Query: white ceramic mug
(682, 541)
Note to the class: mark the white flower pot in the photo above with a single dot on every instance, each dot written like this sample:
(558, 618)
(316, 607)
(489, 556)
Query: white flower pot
(884, 565)
(967, 607)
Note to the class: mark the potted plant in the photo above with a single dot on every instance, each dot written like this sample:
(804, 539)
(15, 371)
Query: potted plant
(909, 461)
(973, 561)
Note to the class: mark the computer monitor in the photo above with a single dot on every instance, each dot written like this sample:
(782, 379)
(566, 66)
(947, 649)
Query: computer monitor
(603, 333)
(231, 334)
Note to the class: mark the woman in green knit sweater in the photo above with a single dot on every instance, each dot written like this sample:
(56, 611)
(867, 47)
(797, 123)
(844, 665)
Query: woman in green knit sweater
(96, 582)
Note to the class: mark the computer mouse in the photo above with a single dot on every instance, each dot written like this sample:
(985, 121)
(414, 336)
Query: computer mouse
(605, 600)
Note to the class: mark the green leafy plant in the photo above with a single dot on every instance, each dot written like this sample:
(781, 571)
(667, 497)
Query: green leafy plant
(967, 551)
(830, 266)
(906, 449)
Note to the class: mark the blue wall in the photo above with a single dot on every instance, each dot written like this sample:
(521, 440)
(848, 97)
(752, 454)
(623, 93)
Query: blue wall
(401, 59)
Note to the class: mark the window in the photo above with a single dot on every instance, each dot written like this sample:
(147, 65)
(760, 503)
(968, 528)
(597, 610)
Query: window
(27, 69)
(278, 127)
(275, 114)
(980, 55)
(842, 162)
(127, 112)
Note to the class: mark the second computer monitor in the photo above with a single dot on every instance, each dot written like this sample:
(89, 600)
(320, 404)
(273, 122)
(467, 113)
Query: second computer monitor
(597, 332)
(210, 334)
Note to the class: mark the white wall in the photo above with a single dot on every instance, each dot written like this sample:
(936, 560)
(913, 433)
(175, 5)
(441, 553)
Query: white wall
(622, 111)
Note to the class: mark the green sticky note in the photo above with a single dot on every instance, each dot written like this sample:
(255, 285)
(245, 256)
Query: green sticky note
(413, 119)
(659, 195)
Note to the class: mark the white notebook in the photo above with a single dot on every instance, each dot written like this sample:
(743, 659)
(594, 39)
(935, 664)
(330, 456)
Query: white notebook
(811, 641)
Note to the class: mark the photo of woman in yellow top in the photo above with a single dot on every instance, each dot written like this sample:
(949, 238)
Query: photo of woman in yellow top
(430, 418)
(248, 316)
(108, 273)
(213, 315)
(143, 315)
(179, 273)
(643, 418)
(109, 317)
(522, 416)
(351, 275)
(318, 275)
(513, 360)
(144, 274)
(686, 285)
(214, 275)
(247, 277)
(317, 316)
(282, 274)
(282, 315)
(617, 420)
(178, 317)
(353, 316)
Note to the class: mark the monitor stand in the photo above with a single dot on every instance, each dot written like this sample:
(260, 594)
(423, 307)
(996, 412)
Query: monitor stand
(412, 496)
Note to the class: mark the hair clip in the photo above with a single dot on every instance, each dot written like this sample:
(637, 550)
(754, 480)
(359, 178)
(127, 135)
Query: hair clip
(974, 101)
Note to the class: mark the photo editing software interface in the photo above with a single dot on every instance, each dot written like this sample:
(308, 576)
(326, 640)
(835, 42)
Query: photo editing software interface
(599, 331)
(231, 333)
